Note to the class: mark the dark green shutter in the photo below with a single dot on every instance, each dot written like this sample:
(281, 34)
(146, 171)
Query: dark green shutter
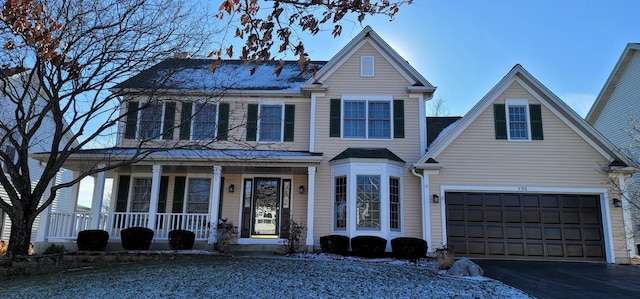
(123, 193)
(162, 198)
(398, 118)
(132, 121)
(223, 122)
(252, 122)
(500, 120)
(334, 118)
(169, 120)
(289, 121)
(178, 194)
(185, 121)
(535, 113)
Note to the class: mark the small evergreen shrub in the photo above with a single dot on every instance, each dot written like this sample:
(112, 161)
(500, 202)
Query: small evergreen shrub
(292, 241)
(136, 238)
(409, 248)
(54, 249)
(368, 246)
(334, 244)
(92, 240)
(227, 234)
(181, 239)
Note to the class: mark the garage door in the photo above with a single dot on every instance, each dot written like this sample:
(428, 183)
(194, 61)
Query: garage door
(525, 226)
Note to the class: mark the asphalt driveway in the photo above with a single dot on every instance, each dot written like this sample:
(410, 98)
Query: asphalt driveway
(544, 279)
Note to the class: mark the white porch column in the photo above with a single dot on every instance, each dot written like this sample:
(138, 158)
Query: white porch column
(75, 191)
(215, 202)
(155, 195)
(311, 190)
(96, 200)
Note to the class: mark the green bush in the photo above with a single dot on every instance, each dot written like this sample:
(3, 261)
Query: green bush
(409, 248)
(54, 249)
(181, 239)
(136, 238)
(368, 246)
(92, 240)
(337, 244)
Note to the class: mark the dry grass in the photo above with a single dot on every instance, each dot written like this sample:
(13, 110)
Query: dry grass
(445, 258)
(3, 248)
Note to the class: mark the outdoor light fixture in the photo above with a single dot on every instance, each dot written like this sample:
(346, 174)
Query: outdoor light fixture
(436, 198)
(617, 203)
(232, 188)
(301, 189)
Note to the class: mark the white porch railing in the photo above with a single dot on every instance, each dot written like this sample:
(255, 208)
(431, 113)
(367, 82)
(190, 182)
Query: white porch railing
(67, 225)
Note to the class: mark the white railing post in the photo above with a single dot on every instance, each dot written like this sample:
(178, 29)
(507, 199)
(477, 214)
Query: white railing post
(215, 202)
(96, 201)
(311, 189)
(155, 195)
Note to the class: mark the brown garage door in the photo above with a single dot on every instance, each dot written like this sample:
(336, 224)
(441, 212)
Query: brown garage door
(525, 226)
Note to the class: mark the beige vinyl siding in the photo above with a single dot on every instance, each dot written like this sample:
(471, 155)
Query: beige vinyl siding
(613, 120)
(346, 80)
(237, 127)
(562, 160)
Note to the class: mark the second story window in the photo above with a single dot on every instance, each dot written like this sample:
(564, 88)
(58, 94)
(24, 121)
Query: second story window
(150, 121)
(10, 151)
(204, 121)
(518, 120)
(367, 119)
(270, 123)
(518, 124)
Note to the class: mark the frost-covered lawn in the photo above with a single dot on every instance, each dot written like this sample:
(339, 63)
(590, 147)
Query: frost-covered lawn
(250, 277)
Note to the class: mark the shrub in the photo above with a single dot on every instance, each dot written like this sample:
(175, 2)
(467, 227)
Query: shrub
(409, 248)
(292, 241)
(445, 257)
(3, 247)
(181, 239)
(136, 238)
(92, 240)
(227, 234)
(54, 249)
(368, 246)
(334, 244)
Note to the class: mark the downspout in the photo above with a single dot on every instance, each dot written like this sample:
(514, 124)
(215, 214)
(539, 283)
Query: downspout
(426, 209)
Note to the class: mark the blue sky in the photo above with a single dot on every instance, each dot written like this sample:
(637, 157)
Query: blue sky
(465, 47)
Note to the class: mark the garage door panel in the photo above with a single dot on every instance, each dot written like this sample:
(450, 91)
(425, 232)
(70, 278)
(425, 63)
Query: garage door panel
(551, 226)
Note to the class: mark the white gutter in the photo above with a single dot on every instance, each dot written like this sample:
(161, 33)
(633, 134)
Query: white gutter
(426, 209)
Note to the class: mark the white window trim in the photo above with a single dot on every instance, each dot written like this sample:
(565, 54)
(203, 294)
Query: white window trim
(517, 102)
(270, 103)
(131, 187)
(185, 198)
(366, 99)
(139, 120)
(193, 120)
(351, 170)
(366, 61)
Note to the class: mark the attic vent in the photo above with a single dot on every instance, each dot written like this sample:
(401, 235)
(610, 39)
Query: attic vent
(366, 66)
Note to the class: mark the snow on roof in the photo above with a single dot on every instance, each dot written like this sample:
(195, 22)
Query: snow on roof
(196, 74)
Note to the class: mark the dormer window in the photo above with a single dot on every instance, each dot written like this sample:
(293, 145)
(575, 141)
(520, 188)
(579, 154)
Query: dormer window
(366, 66)
(517, 120)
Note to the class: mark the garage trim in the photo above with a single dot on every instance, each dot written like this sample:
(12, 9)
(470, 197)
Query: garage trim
(606, 222)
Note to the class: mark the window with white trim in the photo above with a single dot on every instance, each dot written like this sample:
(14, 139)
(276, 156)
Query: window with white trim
(204, 121)
(367, 199)
(367, 119)
(270, 123)
(367, 66)
(141, 195)
(198, 192)
(518, 120)
(151, 121)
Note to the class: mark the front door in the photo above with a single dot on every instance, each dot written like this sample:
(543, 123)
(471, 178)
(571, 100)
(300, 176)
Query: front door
(266, 208)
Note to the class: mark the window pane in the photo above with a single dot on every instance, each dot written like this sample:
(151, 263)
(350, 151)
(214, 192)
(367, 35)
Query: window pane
(270, 123)
(141, 195)
(368, 202)
(340, 208)
(150, 121)
(204, 121)
(198, 196)
(518, 122)
(394, 203)
(354, 119)
(379, 120)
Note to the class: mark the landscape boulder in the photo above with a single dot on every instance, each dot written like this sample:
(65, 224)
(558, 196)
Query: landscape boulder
(465, 267)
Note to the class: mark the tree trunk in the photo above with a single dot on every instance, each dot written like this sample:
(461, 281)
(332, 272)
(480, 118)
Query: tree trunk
(20, 237)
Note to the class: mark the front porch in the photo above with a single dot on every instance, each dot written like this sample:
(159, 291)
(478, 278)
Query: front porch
(257, 197)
